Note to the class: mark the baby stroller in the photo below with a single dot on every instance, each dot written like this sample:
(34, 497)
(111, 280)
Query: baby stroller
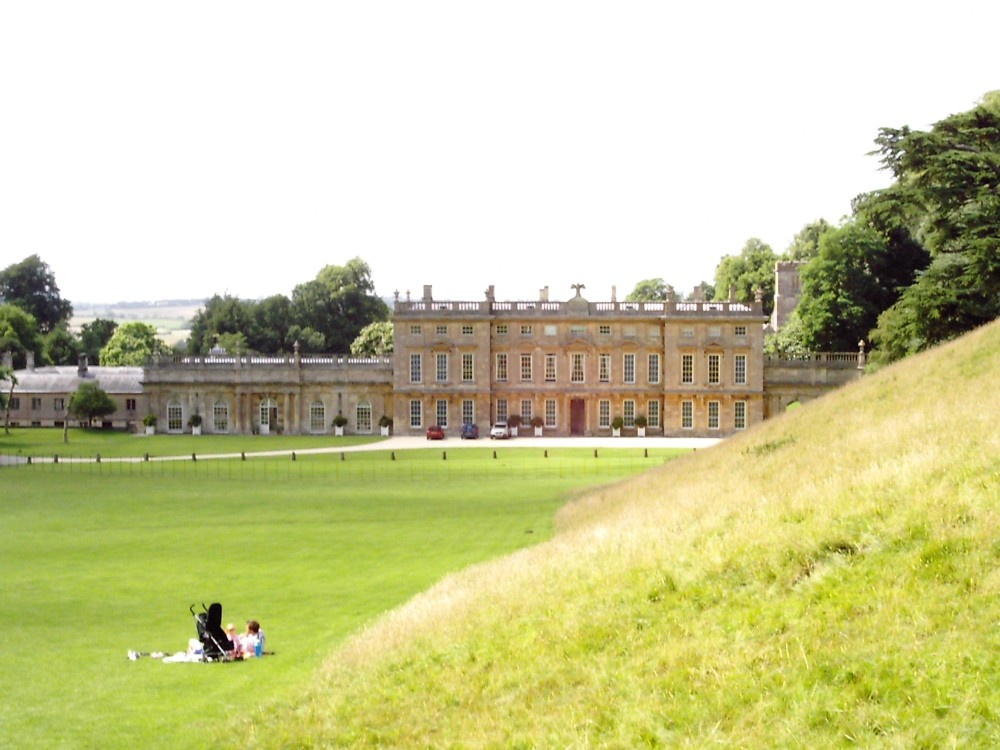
(215, 642)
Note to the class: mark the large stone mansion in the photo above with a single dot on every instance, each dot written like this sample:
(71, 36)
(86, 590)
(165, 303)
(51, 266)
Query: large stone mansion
(574, 367)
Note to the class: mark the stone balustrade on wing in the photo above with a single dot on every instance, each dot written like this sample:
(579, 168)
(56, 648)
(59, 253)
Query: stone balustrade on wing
(289, 360)
(434, 308)
(833, 360)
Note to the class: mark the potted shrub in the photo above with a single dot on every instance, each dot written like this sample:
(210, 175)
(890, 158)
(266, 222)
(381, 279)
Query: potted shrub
(194, 422)
(150, 422)
(538, 423)
(616, 426)
(385, 424)
(640, 425)
(338, 424)
(514, 421)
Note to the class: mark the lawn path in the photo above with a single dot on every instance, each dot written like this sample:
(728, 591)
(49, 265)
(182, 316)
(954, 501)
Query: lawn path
(401, 443)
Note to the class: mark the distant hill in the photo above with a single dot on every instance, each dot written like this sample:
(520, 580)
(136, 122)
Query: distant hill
(91, 310)
(830, 578)
(139, 303)
(171, 318)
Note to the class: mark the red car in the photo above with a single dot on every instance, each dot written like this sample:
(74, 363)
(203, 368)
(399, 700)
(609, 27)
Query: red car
(435, 432)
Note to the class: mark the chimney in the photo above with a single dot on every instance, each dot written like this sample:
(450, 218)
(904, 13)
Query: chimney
(427, 293)
(543, 294)
(81, 367)
(30, 361)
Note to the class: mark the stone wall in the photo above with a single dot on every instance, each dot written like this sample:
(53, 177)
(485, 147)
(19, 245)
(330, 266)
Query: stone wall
(286, 394)
(799, 378)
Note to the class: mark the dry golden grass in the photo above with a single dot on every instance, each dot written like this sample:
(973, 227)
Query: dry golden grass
(828, 579)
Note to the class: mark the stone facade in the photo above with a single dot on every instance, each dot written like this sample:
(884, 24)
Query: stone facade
(798, 378)
(688, 368)
(284, 394)
(43, 393)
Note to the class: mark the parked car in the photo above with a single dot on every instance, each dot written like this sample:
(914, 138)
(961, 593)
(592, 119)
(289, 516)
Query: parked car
(435, 432)
(470, 431)
(500, 431)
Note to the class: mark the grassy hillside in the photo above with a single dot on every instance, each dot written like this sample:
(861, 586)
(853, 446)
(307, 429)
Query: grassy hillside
(827, 580)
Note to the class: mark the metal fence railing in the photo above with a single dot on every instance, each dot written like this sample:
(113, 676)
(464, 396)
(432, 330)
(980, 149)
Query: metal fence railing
(345, 466)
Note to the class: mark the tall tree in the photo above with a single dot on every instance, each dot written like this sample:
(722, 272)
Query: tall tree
(748, 273)
(789, 340)
(841, 296)
(310, 341)
(31, 285)
(132, 344)
(232, 343)
(947, 195)
(375, 340)
(859, 271)
(272, 319)
(18, 333)
(649, 290)
(94, 336)
(935, 308)
(905, 257)
(60, 346)
(221, 314)
(805, 244)
(338, 303)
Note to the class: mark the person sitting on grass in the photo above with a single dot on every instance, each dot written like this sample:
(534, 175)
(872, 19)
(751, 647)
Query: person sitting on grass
(252, 641)
(232, 635)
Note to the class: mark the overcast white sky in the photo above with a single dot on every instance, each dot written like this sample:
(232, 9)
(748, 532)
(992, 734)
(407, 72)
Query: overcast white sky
(153, 150)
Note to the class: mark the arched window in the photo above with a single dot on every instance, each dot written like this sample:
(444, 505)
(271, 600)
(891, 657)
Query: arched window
(175, 417)
(317, 417)
(220, 417)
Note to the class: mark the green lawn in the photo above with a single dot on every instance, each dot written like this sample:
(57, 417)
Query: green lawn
(98, 559)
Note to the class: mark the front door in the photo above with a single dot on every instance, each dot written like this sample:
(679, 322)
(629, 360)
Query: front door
(577, 416)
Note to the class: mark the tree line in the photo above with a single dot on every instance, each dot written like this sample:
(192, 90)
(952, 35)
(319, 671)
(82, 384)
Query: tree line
(337, 311)
(326, 314)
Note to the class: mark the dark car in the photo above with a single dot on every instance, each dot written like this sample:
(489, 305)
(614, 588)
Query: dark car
(470, 431)
(435, 432)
